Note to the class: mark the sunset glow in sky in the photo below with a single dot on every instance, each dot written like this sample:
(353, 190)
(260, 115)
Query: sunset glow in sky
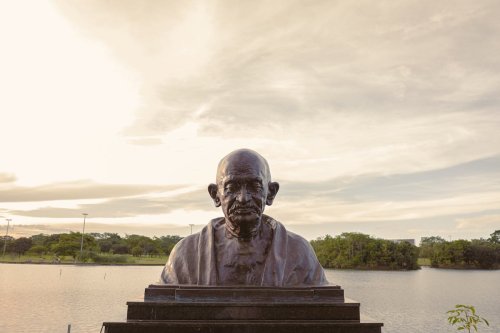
(375, 117)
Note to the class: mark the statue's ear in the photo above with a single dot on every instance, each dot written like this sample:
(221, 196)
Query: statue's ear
(273, 190)
(212, 190)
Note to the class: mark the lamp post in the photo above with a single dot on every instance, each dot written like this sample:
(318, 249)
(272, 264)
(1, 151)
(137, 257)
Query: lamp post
(191, 225)
(83, 232)
(6, 234)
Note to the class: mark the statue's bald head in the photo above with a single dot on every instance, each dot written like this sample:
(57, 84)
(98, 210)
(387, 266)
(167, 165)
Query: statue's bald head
(240, 161)
(243, 188)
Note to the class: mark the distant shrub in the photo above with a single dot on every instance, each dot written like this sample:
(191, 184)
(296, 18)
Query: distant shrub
(38, 250)
(114, 259)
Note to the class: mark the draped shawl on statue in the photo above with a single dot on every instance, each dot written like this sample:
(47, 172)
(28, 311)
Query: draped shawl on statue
(290, 262)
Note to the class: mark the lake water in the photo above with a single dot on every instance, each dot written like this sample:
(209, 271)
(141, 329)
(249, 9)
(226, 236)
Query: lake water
(46, 298)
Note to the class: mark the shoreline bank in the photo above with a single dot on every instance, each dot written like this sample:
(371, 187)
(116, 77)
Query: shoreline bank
(76, 264)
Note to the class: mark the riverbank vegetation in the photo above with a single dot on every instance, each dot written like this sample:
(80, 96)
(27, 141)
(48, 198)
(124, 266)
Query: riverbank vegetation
(359, 251)
(346, 251)
(104, 259)
(462, 254)
(105, 248)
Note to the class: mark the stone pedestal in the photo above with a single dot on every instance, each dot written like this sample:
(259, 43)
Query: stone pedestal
(190, 309)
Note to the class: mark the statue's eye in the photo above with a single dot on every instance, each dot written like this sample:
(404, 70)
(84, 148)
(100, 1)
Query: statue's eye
(230, 187)
(257, 186)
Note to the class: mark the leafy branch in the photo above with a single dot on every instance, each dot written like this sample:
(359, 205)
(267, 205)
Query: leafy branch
(465, 317)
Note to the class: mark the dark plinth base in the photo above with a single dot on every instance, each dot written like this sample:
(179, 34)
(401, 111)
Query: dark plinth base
(242, 326)
(186, 309)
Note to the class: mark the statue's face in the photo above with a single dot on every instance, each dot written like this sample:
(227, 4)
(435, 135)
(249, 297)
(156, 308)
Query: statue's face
(242, 188)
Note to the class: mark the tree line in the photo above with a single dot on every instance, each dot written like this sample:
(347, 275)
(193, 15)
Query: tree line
(476, 253)
(68, 244)
(349, 250)
(359, 251)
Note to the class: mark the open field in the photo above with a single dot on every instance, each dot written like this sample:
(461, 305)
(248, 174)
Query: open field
(109, 259)
(424, 261)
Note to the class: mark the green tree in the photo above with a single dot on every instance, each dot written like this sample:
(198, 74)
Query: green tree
(477, 253)
(326, 250)
(146, 244)
(51, 240)
(495, 237)
(137, 251)
(69, 244)
(431, 247)
(120, 248)
(484, 254)
(167, 243)
(456, 250)
(357, 250)
(406, 256)
(107, 240)
(465, 318)
(39, 239)
(7, 242)
(21, 245)
(38, 249)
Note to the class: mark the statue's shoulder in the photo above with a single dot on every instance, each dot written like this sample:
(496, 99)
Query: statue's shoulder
(187, 241)
(292, 238)
(295, 242)
(190, 243)
(298, 242)
(182, 248)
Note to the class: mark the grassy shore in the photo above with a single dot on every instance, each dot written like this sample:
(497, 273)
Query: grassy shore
(107, 259)
(424, 261)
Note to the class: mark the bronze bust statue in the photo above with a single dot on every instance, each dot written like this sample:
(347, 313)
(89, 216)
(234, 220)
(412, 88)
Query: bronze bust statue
(245, 247)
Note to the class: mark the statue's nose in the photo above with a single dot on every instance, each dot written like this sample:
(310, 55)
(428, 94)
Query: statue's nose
(243, 195)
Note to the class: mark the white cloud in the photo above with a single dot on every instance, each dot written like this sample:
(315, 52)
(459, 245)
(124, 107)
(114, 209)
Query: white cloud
(78, 190)
(479, 222)
(319, 210)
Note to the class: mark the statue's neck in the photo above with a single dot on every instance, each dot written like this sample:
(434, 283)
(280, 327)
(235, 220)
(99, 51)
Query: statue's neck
(246, 231)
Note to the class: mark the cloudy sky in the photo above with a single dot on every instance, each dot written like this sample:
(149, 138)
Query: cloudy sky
(377, 117)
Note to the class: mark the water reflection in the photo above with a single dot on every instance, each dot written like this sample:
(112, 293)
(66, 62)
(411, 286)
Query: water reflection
(417, 301)
(44, 298)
